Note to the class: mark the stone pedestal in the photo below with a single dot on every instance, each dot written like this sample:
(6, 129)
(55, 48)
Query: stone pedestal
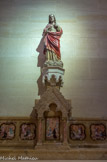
(52, 76)
(52, 105)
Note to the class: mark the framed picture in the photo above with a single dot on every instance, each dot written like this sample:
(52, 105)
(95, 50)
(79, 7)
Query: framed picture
(7, 131)
(98, 131)
(77, 132)
(52, 128)
(27, 131)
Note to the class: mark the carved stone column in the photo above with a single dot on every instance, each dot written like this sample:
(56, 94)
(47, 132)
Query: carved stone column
(39, 140)
(65, 131)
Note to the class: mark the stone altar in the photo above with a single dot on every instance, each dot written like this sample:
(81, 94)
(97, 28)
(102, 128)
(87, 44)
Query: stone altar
(51, 132)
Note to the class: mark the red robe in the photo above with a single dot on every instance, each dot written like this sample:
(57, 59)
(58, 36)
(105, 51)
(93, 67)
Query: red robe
(52, 41)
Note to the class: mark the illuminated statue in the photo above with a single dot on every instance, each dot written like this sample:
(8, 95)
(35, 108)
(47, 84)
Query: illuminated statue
(52, 34)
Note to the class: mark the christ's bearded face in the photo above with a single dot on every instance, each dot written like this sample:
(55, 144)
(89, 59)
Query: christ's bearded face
(51, 18)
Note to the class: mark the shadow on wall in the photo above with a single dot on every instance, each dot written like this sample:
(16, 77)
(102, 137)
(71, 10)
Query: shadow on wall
(41, 60)
(41, 57)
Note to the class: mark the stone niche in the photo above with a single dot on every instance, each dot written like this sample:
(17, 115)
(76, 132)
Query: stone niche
(53, 126)
(52, 112)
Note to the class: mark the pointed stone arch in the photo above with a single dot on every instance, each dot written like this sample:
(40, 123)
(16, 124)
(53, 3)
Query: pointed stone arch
(53, 96)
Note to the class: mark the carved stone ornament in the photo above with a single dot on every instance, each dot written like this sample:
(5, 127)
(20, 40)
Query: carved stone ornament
(53, 63)
(53, 95)
(52, 76)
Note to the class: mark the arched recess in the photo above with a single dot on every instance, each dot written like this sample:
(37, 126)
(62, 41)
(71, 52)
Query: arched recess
(52, 124)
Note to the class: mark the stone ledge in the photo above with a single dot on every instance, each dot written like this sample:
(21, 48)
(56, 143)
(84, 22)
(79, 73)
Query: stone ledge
(58, 154)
